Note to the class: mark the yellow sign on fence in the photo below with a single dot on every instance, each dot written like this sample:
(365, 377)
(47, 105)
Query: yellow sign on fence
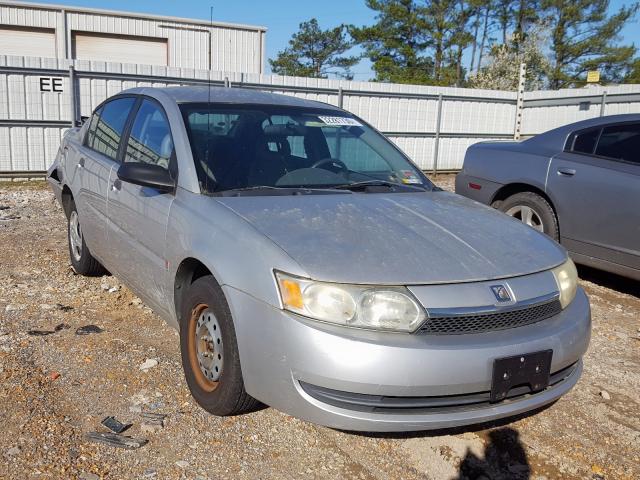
(593, 76)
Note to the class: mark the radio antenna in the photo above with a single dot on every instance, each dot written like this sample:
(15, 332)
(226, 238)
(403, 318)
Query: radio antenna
(208, 151)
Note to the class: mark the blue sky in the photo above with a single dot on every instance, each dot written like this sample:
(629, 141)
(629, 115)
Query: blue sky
(282, 17)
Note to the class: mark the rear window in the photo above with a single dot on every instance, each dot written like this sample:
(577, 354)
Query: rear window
(585, 142)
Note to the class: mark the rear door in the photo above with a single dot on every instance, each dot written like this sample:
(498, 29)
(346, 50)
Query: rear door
(595, 183)
(139, 215)
(94, 160)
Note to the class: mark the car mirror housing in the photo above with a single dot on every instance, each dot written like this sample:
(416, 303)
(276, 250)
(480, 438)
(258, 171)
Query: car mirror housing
(147, 175)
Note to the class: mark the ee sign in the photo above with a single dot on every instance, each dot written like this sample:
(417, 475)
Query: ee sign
(51, 84)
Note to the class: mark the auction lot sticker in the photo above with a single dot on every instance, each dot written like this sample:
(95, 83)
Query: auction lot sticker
(340, 121)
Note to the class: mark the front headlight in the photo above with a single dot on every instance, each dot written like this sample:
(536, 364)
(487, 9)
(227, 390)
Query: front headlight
(567, 280)
(380, 308)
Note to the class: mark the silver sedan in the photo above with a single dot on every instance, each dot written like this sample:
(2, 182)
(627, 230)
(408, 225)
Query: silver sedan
(310, 265)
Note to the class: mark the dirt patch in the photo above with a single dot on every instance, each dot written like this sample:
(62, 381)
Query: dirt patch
(55, 388)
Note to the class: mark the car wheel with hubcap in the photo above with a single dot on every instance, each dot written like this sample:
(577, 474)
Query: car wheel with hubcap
(210, 357)
(81, 259)
(532, 210)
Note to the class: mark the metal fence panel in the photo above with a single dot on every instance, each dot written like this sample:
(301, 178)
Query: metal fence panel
(32, 121)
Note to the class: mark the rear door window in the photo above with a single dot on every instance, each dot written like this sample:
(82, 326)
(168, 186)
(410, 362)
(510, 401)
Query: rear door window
(110, 125)
(620, 142)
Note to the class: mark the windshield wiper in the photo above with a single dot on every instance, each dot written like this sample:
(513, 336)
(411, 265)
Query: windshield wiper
(378, 183)
(270, 191)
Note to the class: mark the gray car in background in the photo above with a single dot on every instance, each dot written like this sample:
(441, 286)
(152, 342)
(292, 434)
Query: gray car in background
(579, 184)
(308, 264)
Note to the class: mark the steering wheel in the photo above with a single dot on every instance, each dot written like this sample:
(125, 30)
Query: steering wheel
(331, 161)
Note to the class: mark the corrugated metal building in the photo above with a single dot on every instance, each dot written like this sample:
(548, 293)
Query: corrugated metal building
(56, 31)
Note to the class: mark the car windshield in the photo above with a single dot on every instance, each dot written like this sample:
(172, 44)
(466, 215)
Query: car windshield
(271, 148)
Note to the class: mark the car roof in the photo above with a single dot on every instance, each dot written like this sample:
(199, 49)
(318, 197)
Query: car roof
(235, 95)
(558, 136)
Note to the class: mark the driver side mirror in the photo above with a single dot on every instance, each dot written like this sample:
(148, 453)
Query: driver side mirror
(147, 175)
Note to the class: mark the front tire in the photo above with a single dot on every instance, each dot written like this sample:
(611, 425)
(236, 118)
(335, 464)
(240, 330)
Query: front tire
(81, 259)
(209, 351)
(532, 210)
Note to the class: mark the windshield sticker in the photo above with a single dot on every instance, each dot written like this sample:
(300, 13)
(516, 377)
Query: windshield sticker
(340, 121)
(409, 177)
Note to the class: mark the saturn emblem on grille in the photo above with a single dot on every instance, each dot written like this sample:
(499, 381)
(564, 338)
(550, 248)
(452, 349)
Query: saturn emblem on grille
(501, 293)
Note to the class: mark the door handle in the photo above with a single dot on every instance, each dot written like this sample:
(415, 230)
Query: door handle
(80, 163)
(566, 172)
(116, 185)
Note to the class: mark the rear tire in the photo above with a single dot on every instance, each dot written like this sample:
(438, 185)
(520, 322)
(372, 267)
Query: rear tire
(533, 210)
(81, 259)
(209, 351)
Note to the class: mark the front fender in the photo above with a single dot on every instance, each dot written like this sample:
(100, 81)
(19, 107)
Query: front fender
(235, 253)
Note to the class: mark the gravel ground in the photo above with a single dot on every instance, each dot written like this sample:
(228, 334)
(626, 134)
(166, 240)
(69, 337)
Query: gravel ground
(56, 388)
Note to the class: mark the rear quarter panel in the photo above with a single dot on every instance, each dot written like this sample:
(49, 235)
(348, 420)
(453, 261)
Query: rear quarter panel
(495, 165)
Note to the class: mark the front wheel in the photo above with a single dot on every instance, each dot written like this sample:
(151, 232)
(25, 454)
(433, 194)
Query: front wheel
(209, 351)
(532, 210)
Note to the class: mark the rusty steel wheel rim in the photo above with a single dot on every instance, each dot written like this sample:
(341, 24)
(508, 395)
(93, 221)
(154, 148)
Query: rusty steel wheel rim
(205, 347)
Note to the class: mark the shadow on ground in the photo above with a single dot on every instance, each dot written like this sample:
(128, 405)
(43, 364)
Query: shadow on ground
(610, 280)
(504, 457)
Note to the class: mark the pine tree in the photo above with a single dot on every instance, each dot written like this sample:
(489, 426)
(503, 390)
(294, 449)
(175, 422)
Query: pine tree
(317, 53)
(396, 44)
(583, 38)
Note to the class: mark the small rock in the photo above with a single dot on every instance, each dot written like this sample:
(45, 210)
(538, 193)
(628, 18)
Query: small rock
(13, 451)
(182, 464)
(88, 476)
(105, 286)
(46, 306)
(114, 289)
(149, 473)
(54, 375)
(148, 364)
(150, 427)
(605, 395)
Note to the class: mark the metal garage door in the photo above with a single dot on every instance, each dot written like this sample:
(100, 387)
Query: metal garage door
(31, 42)
(120, 48)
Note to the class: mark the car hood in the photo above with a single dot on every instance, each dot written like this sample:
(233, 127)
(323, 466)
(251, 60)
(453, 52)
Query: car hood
(399, 238)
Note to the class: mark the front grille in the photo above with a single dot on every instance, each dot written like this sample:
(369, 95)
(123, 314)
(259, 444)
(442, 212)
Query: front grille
(421, 405)
(487, 322)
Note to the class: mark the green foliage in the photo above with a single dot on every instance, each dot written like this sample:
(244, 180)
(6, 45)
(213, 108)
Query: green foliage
(424, 41)
(397, 42)
(583, 38)
(316, 53)
(633, 76)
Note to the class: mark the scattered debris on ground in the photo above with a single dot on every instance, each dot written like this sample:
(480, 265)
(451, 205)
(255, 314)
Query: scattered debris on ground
(51, 426)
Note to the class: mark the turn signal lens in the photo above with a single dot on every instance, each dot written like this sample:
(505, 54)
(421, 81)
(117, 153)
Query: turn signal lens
(567, 279)
(291, 294)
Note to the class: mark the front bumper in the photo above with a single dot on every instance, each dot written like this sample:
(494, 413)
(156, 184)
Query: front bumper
(282, 355)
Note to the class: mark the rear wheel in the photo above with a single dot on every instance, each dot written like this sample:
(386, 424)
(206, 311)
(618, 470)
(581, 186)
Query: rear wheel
(532, 210)
(81, 259)
(210, 357)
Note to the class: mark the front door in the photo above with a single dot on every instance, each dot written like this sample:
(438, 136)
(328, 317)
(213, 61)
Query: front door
(597, 194)
(139, 215)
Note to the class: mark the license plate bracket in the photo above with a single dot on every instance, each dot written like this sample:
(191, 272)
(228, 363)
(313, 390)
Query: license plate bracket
(533, 369)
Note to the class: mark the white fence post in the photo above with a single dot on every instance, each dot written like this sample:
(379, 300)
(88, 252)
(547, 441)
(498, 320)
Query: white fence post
(517, 130)
(436, 141)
